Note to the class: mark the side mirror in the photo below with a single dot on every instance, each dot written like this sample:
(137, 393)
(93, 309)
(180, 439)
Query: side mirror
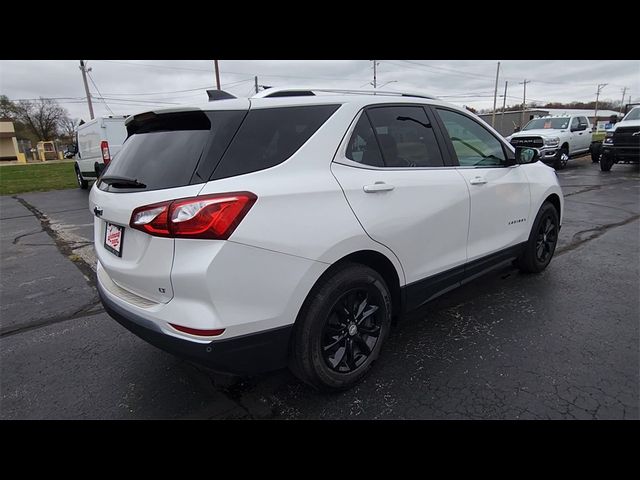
(526, 155)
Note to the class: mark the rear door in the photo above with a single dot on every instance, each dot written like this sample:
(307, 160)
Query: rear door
(500, 194)
(170, 156)
(584, 135)
(115, 133)
(405, 193)
(89, 136)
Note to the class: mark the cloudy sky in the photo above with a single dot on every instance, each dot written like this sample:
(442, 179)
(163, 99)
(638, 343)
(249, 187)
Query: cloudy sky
(128, 86)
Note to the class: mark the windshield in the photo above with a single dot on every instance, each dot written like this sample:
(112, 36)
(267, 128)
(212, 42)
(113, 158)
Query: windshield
(547, 123)
(634, 114)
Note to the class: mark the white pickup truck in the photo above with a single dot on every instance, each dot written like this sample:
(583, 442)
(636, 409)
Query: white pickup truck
(557, 138)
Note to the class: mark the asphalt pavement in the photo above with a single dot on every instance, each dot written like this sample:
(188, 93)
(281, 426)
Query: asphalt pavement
(560, 345)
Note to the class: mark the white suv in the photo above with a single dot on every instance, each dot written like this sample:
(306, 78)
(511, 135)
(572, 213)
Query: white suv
(291, 227)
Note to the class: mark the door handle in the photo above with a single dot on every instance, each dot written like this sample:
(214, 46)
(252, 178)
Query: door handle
(378, 187)
(478, 181)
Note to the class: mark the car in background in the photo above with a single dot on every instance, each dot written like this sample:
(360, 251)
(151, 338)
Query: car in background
(98, 141)
(556, 138)
(622, 142)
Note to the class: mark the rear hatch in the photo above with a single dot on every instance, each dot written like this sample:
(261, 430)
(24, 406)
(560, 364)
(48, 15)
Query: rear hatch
(166, 156)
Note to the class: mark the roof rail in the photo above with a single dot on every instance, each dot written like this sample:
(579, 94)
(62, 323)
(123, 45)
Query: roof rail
(307, 91)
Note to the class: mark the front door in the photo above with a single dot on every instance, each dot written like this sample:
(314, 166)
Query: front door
(500, 195)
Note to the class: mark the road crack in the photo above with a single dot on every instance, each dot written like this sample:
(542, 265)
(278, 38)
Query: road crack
(597, 232)
(64, 246)
(88, 310)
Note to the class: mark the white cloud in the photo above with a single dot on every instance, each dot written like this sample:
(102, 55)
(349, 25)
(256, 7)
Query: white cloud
(130, 86)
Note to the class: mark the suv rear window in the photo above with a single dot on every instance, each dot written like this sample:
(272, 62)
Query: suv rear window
(173, 149)
(269, 136)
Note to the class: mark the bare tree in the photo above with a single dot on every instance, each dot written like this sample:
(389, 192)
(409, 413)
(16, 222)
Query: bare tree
(42, 117)
(68, 127)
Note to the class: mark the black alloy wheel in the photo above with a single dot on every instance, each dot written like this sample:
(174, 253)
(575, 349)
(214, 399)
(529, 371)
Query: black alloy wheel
(542, 242)
(546, 239)
(341, 327)
(352, 330)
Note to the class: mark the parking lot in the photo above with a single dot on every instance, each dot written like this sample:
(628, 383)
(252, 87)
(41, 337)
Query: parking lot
(561, 345)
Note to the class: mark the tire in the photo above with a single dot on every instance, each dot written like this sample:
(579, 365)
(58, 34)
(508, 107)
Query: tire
(325, 332)
(82, 183)
(606, 163)
(595, 152)
(561, 158)
(534, 258)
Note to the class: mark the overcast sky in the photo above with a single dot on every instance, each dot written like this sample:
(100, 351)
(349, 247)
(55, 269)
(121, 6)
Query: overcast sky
(130, 86)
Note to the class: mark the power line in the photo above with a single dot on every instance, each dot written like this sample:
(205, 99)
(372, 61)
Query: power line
(157, 66)
(98, 90)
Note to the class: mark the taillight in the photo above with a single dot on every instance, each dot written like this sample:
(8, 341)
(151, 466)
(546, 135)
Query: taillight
(208, 216)
(106, 156)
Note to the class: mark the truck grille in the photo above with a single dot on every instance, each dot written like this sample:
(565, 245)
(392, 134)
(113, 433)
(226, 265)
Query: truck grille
(535, 142)
(627, 137)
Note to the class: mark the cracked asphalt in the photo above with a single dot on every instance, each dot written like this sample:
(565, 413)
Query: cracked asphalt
(560, 345)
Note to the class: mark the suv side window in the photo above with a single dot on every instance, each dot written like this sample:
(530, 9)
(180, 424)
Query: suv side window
(363, 147)
(574, 123)
(269, 136)
(405, 136)
(474, 144)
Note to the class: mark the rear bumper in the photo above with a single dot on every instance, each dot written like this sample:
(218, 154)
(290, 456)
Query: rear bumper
(242, 355)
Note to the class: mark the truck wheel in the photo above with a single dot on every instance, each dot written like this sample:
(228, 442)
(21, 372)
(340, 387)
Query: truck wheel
(561, 159)
(595, 152)
(82, 183)
(606, 163)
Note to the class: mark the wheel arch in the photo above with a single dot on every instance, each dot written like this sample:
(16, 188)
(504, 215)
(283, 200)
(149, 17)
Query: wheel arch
(372, 259)
(554, 200)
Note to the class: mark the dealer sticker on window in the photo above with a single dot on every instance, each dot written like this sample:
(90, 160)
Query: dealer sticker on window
(113, 239)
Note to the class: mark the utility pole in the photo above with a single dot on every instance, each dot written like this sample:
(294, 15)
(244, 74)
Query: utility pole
(504, 104)
(624, 91)
(256, 80)
(524, 100)
(375, 64)
(215, 64)
(495, 97)
(86, 86)
(600, 87)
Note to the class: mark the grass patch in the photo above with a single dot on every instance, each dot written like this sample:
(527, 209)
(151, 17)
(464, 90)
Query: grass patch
(38, 177)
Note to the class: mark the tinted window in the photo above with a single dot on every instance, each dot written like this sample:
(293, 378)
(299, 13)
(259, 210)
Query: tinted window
(405, 137)
(574, 123)
(164, 151)
(363, 147)
(474, 144)
(583, 121)
(269, 136)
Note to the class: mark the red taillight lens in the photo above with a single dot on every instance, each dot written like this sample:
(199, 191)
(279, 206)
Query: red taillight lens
(209, 216)
(106, 156)
(196, 331)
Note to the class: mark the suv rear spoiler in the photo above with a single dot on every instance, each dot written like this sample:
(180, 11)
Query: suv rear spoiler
(219, 95)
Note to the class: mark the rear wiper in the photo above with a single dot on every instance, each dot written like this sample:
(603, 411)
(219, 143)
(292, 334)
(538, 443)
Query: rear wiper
(122, 182)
